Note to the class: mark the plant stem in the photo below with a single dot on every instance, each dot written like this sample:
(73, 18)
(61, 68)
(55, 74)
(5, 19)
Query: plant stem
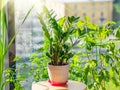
(57, 54)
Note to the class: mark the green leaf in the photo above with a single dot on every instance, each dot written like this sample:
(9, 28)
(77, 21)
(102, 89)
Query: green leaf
(94, 63)
(118, 33)
(48, 54)
(17, 58)
(75, 58)
(27, 14)
(61, 21)
(73, 19)
(10, 43)
(44, 27)
(110, 23)
(87, 18)
(111, 72)
(80, 24)
(92, 26)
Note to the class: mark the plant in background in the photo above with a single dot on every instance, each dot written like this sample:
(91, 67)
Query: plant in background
(98, 63)
(39, 68)
(10, 77)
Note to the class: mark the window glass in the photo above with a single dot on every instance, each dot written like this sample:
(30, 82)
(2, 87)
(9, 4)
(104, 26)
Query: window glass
(29, 37)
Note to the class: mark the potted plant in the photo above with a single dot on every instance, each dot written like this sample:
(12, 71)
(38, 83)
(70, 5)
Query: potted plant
(59, 42)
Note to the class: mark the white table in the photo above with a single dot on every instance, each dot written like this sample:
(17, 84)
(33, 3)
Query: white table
(71, 85)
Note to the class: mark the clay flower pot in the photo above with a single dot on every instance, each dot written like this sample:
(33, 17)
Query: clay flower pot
(58, 75)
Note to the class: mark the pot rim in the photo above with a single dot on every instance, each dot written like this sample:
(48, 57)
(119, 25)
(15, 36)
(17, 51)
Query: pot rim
(49, 64)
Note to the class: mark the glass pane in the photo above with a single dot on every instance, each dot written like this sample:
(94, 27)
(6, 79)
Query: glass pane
(29, 37)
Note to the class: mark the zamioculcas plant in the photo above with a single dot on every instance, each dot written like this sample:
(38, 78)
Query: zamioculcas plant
(58, 35)
(60, 39)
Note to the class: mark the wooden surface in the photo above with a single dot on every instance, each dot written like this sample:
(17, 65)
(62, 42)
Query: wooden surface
(71, 85)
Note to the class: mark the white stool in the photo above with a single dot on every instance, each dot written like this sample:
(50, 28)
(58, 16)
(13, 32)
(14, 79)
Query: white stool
(71, 85)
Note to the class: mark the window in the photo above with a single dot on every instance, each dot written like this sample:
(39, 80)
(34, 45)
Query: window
(102, 6)
(84, 6)
(31, 24)
(29, 33)
(75, 9)
(101, 14)
(84, 14)
(93, 15)
(93, 6)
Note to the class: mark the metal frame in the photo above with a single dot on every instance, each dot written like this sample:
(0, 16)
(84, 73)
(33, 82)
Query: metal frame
(11, 33)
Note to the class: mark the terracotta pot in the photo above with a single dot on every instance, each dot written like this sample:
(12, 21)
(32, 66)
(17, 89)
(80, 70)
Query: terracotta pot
(58, 74)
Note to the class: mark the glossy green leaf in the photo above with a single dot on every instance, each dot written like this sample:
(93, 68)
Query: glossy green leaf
(118, 33)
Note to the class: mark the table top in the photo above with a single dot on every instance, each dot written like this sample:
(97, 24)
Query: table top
(71, 85)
